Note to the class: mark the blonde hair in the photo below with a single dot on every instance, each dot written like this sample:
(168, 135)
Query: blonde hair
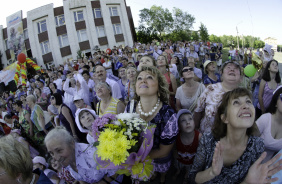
(15, 158)
(32, 98)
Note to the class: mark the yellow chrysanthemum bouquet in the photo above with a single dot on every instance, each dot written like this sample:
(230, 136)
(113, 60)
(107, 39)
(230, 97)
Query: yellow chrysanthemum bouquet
(124, 142)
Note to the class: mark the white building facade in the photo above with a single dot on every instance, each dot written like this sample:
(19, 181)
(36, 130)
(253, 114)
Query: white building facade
(53, 35)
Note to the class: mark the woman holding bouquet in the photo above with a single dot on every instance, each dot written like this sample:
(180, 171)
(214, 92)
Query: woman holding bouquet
(151, 102)
(77, 158)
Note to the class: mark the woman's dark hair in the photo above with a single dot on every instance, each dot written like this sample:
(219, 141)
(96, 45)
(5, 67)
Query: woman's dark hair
(266, 74)
(273, 104)
(91, 63)
(177, 60)
(219, 129)
(55, 86)
(59, 99)
(8, 116)
(18, 103)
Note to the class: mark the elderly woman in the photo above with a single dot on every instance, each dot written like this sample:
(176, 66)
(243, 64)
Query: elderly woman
(107, 104)
(16, 164)
(269, 125)
(212, 96)
(231, 154)
(84, 119)
(77, 158)
(129, 89)
(65, 117)
(188, 93)
(152, 99)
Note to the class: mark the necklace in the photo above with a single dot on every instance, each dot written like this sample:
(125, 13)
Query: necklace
(149, 113)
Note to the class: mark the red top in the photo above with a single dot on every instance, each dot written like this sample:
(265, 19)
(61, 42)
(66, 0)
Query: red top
(186, 153)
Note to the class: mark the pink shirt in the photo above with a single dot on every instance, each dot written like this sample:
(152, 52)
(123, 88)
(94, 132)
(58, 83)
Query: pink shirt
(271, 145)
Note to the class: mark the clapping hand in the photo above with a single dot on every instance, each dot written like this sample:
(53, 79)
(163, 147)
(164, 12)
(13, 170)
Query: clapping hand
(261, 173)
(217, 160)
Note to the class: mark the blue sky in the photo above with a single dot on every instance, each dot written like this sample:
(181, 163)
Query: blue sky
(259, 18)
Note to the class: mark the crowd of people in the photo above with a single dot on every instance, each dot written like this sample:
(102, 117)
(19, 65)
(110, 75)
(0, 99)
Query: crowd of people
(213, 123)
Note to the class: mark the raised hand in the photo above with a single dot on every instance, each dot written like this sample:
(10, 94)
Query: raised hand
(261, 173)
(217, 160)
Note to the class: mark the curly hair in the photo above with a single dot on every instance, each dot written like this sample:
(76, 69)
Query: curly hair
(162, 84)
(219, 129)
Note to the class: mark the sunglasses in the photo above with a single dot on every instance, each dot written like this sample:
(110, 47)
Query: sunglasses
(52, 98)
(187, 69)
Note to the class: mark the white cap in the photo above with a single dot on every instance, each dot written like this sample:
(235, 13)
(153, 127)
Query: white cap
(77, 97)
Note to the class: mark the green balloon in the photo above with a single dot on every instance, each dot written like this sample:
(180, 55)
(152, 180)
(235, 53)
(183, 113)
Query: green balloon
(191, 37)
(158, 43)
(250, 70)
(229, 57)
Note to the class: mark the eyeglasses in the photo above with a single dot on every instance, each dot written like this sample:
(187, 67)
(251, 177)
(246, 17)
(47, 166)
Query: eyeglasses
(187, 69)
(2, 173)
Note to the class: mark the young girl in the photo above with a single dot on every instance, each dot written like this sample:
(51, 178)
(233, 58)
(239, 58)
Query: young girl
(186, 142)
(269, 82)
(84, 119)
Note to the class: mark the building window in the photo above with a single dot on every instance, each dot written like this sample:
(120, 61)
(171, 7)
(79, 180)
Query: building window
(100, 31)
(117, 29)
(60, 20)
(45, 47)
(97, 13)
(82, 35)
(42, 26)
(78, 16)
(63, 40)
(25, 34)
(113, 11)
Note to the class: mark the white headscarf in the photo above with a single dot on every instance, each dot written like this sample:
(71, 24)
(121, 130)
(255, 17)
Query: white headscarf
(83, 130)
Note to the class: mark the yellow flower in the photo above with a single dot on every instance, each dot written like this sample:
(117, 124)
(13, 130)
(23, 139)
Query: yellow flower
(107, 135)
(106, 150)
(122, 144)
(119, 159)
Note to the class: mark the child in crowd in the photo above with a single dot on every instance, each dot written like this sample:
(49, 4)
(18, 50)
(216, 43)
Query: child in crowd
(40, 163)
(186, 142)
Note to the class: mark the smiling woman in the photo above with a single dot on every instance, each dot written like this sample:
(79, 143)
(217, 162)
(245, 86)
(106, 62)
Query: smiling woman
(208, 102)
(77, 158)
(231, 153)
(151, 103)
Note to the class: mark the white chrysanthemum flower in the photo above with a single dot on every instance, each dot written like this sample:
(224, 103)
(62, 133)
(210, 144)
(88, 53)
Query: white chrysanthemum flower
(123, 116)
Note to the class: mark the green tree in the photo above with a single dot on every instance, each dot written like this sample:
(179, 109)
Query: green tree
(182, 21)
(146, 35)
(204, 32)
(195, 35)
(156, 18)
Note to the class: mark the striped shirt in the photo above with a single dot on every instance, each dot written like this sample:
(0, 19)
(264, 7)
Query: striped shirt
(111, 109)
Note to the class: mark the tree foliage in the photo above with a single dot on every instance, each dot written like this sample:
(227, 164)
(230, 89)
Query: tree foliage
(164, 23)
(182, 21)
(204, 32)
(156, 18)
